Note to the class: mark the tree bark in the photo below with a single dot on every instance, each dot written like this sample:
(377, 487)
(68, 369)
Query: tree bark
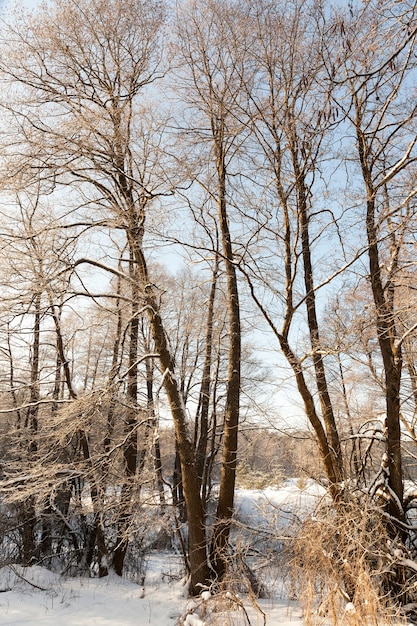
(386, 330)
(221, 530)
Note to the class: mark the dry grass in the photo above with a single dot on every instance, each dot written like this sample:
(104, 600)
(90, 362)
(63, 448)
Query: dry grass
(345, 570)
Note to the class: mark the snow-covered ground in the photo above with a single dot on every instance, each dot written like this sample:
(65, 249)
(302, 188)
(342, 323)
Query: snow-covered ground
(114, 602)
(37, 597)
(279, 506)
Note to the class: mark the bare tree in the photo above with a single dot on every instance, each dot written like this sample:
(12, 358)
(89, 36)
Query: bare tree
(213, 79)
(288, 113)
(376, 102)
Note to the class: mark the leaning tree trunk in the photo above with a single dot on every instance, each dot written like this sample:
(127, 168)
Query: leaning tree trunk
(197, 543)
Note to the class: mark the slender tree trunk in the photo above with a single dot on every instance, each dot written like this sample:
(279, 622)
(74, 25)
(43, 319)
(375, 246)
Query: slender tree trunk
(221, 530)
(279, 141)
(313, 325)
(98, 529)
(177, 488)
(386, 330)
(50, 525)
(115, 366)
(197, 543)
(191, 484)
(392, 360)
(154, 426)
(31, 426)
(130, 448)
(202, 418)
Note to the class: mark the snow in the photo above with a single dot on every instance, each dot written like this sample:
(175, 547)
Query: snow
(85, 602)
(281, 507)
(111, 601)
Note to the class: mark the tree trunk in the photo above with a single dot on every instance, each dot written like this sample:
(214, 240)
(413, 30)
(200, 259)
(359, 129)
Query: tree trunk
(31, 427)
(202, 418)
(197, 543)
(332, 434)
(386, 331)
(221, 530)
(130, 446)
(392, 360)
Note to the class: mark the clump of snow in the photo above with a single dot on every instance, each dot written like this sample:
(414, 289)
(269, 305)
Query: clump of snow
(227, 608)
(194, 620)
(17, 577)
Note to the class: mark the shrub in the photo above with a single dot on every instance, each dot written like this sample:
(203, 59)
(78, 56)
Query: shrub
(247, 478)
(348, 566)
